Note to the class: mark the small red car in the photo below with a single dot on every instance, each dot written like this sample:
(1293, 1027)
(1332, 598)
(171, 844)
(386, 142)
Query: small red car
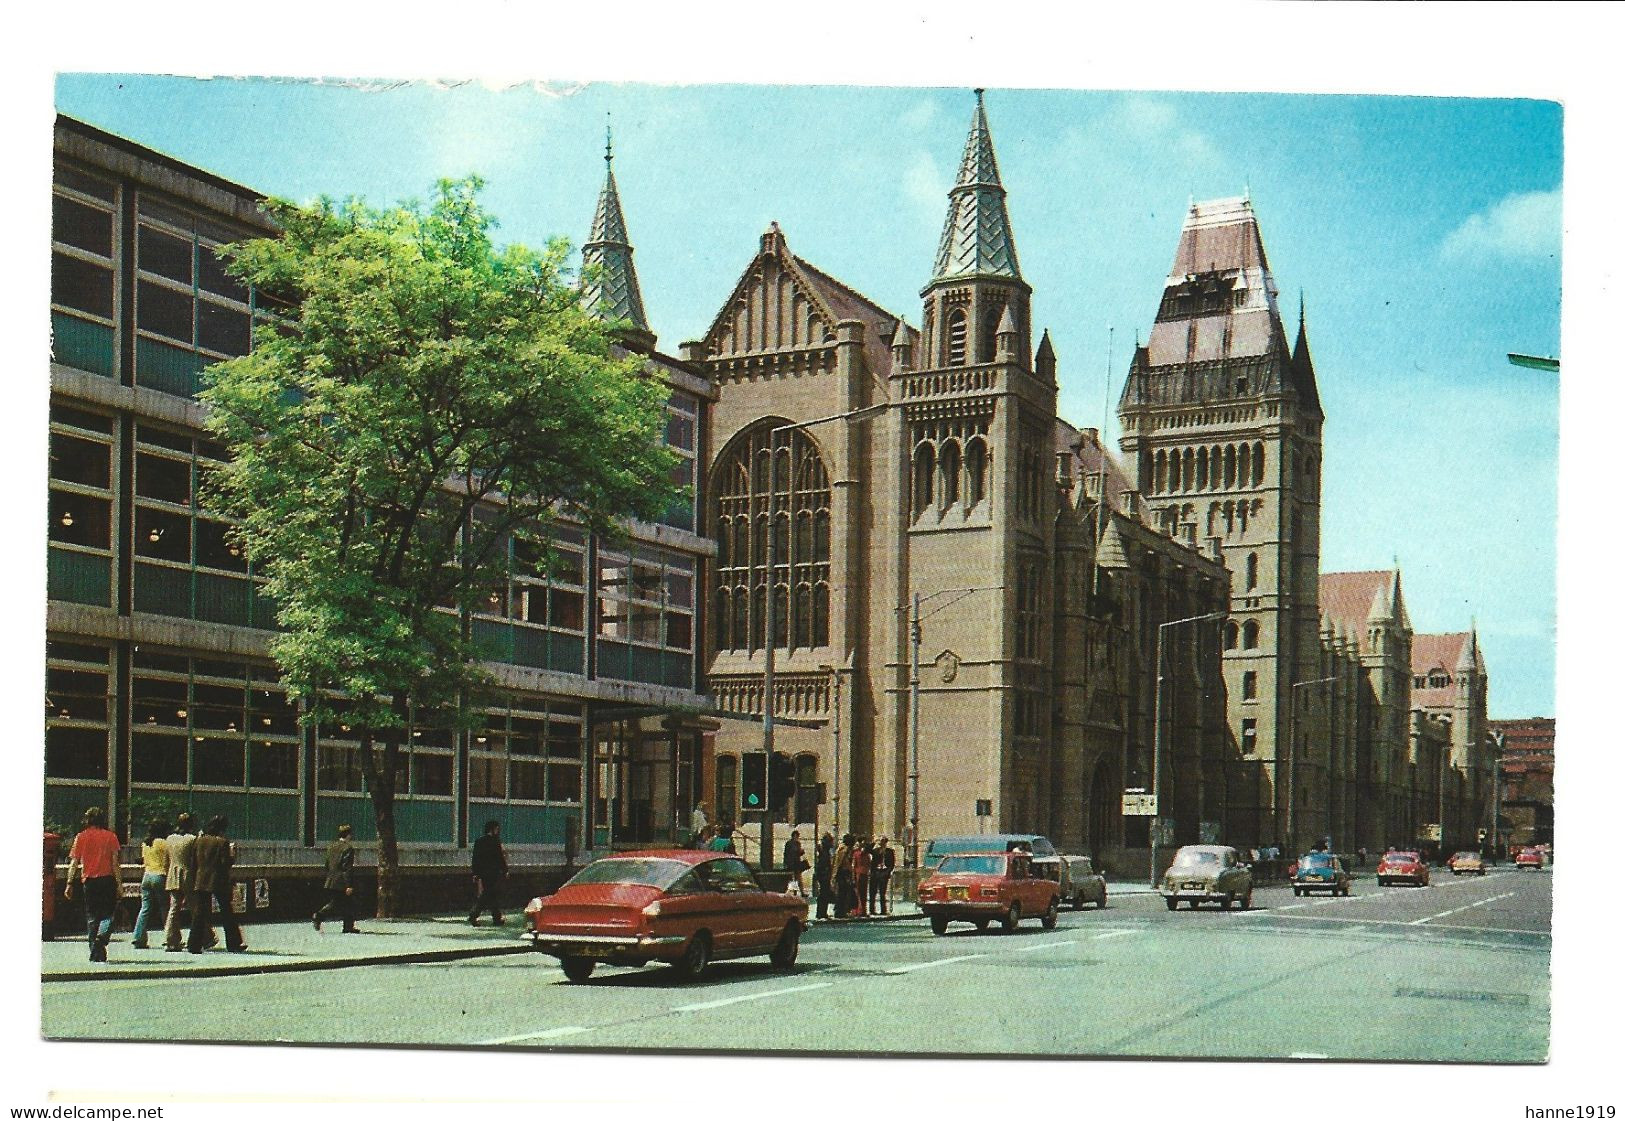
(683, 907)
(1531, 858)
(980, 887)
(1406, 867)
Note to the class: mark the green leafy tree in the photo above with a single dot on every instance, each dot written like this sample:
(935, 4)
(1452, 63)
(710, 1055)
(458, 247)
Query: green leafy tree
(426, 398)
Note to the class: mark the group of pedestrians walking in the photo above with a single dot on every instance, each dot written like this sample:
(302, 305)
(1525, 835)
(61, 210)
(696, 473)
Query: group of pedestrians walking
(182, 869)
(854, 878)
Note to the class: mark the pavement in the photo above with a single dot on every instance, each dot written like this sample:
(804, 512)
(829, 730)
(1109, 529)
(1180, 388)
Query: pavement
(291, 947)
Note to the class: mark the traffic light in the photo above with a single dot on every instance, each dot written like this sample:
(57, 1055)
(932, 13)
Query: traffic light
(781, 780)
(753, 781)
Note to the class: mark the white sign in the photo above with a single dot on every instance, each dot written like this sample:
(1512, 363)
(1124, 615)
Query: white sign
(1431, 832)
(1139, 805)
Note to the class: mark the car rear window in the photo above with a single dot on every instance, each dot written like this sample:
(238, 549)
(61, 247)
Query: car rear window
(978, 865)
(1316, 860)
(630, 870)
(1188, 859)
(1401, 858)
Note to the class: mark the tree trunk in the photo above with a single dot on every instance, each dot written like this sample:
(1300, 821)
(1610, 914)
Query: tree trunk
(381, 785)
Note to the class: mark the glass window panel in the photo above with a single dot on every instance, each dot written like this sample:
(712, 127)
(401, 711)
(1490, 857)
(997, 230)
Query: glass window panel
(164, 311)
(223, 696)
(568, 609)
(76, 753)
(216, 549)
(168, 480)
(74, 694)
(221, 328)
(679, 631)
(87, 227)
(563, 783)
(679, 431)
(163, 438)
(273, 764)
(78, 418)
(338, 767)
(85, 184)
(77, 519)
(679, 589)
(212, 276)
(162, 535)
(158, 758)
(76, 652)
(646, 624)
(217, 762)
(431, 774)
(566, 746)
(271, 714)
(81, 285)
(530, 603)
(487, 777)
(164, 254)
(151, 713)
(169, 663)
(525, 780)
(77, 460)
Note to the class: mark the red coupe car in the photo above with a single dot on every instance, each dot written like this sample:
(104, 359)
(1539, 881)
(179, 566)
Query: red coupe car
(980, 887)
(1531, 858)
(683, 907)
(1403, 867)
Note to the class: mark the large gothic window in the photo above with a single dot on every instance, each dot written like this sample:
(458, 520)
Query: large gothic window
(786, 496)
(956, 338)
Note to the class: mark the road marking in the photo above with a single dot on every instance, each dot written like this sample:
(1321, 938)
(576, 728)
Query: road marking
(933, 964)
(550, 1033)
(751, 996)
(1048, 945)
(1455, 910)
(1115, 934)
(1306, 1055)
(1291, 907)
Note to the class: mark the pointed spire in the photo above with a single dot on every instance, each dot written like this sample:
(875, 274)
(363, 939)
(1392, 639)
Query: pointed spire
(976, 237)
(902, 347)
(611, 290)
(1044, 360)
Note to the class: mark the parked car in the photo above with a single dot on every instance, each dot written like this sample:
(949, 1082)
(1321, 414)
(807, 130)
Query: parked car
(1081, 884)
(1208, 874)
(981, 887)
(1320, 871)
(683, 907)
(1467, 863)
(1531, 858)
(1403, 866)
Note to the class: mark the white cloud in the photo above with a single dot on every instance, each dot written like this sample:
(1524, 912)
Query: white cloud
(1153, 122)
(1524, 226)
(920, 116)
(926, 188)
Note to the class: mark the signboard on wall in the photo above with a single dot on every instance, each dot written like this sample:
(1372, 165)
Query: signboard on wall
(1139, 805)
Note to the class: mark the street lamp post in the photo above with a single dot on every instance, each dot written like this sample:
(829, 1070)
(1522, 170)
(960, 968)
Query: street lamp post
(770, 607)
(835, 677)
(1292, 760)
(914, 706)
(1500, 741)
(1156, 734)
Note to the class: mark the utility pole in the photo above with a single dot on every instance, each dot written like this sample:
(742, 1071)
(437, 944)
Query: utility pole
(1156, 735)
(1292, 760)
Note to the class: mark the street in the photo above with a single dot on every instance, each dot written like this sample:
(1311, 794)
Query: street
(1455, 972)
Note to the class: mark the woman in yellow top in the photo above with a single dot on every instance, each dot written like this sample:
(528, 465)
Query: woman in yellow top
(154, 873)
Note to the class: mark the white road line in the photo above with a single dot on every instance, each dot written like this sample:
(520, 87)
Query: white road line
(1115, 934)
(751, 996)
(1045, 946)
(1455, 910)
(1306, 1055)
(1291, 907)
(550, 1033)
(933, 964)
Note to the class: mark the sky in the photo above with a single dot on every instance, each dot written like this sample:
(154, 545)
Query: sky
(1423, 235)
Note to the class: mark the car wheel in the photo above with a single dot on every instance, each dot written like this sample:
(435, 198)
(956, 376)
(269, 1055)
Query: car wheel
(1052, 915)
(939, 924)
(784, 954)
(577, 969)
(1172, 902)
(1077, 901)
(1224, 904)
(694, 960)
(1296, 892)
(1013, 919)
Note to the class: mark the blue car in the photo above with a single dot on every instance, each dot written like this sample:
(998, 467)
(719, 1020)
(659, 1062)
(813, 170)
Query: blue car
(1320, 871)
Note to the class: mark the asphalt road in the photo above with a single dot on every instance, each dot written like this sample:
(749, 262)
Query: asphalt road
(1453, 972)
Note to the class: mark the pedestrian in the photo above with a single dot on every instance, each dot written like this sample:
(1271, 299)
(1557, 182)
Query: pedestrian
(1360, 852)
(340, 883)
(698, 823)
(490, 869)
(795, 863)
(724, 840)
(178, 881)
(154, 875)
(843, 877)
(881, 864)
(823, 868)
(860, 877)
(93, 872)
(211, 888)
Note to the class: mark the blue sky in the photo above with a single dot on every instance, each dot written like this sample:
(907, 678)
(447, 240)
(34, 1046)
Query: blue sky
(1424, 233)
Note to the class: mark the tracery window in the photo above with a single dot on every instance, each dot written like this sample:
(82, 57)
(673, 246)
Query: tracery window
(798, 511)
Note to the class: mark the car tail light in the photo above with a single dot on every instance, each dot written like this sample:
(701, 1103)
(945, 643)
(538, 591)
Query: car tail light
(533, 906)
(652, 911)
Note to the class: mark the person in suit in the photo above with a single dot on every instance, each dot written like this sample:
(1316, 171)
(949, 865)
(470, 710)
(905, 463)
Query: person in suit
(211, 887)
(339, 884)
(490, 868)
(178, 880)
(795, 863)
(844, 897)
(881, 863)
(823, 873)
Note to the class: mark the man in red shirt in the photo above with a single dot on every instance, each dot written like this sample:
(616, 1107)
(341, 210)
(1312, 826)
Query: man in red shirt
(93, 863)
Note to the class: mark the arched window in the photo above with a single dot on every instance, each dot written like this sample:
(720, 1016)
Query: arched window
(1229, 466)
(949, 470)
(820, 625)
(804, 615)
(975, 470)
(1201, 469)
(1231, 636)
(1258, 465)
(1252, 571)
(1244, 465)
(1187, 477)
(925, 469)
(1249, 686)
(1159, 473)
(1249, 635)
(725, 536)
(956, 338)
(799, 513)
(987, 345)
